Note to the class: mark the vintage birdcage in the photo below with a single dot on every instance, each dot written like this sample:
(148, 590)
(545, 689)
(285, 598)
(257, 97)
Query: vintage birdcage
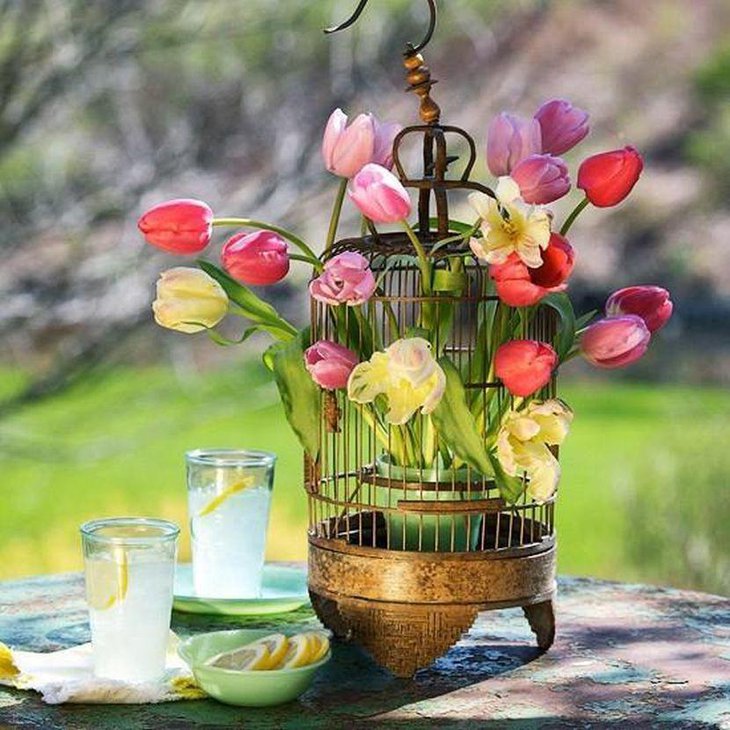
(401, 559)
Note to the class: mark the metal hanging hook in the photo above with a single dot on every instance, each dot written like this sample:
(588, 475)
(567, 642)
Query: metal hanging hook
(433, 10)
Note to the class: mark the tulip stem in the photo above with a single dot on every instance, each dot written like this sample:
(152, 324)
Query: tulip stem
(574, 214)
(288, 235)
(423, 263)
(318, 265)
(335, 217)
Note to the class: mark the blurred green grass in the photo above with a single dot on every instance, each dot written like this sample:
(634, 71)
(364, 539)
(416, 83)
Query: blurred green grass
(115, 446)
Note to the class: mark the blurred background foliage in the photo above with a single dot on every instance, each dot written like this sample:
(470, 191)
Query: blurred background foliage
(111, 106)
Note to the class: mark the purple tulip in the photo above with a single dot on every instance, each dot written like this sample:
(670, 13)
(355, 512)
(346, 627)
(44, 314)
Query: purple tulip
(509, 140)
(562, 125)
(542, 178)
(615, 342)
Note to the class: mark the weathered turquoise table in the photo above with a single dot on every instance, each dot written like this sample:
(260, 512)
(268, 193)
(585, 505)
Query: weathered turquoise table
(634, 656)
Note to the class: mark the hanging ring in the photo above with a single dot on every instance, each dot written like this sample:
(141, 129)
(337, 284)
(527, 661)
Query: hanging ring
(433, 10)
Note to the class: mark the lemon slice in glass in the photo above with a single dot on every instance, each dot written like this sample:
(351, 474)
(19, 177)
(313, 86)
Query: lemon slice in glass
(298, 652)
(108, 581)
(245, 658)
(229, 491)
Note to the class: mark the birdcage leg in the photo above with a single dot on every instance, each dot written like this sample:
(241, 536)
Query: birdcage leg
(541, 617)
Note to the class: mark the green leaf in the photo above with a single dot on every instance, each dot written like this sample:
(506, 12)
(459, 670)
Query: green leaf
(300, 395)
(456, 425)
(565, 336)
(224, 341)
(252, 306)
(584, 319)
(510, 487)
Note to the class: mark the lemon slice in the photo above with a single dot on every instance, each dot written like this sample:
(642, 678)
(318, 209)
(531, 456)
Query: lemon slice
(298, 652)
(277, 644)
(108, 581)
(245, 658)
(319, 644)
(229, 491)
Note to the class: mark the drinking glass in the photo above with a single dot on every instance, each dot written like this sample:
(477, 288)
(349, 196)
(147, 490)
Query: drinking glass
(129, 564)
(229, 497)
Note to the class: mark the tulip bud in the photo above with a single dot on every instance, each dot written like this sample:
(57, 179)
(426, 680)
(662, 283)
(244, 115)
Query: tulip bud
(615, 342)
(542, 178)
(346, 279)
(258, 258)
(188, 300)
(347, 149)
(521, 286)
(385, 134)
(651, 303)
(509, 140)
(379, 195)
(525, 366)
(607, 178)
(562, 126)
(179, 226)
(329, 364)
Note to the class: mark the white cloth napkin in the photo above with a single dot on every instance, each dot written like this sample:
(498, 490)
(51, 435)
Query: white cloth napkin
(68, 676)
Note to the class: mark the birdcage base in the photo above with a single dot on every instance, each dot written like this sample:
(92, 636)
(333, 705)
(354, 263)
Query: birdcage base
(408, 608)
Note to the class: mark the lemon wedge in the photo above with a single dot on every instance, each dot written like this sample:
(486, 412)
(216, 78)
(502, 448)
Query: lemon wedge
(245, 658)
(319, 646)
(298, 652)
(108, 581)
(229, 491)
(277, 645)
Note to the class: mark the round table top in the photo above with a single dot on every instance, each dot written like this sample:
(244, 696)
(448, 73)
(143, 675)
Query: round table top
(633, 654)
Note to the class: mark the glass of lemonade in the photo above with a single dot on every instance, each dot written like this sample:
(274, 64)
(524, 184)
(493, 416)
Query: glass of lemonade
(229, 496)
(129, 564)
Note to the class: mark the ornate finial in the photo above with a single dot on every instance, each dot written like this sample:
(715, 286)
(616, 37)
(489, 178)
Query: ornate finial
(420, 81)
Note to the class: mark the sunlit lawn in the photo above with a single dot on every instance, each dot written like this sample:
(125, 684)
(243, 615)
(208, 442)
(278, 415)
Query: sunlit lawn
(115, 446)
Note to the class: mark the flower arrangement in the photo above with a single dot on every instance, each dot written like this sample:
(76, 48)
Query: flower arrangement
(408, 390)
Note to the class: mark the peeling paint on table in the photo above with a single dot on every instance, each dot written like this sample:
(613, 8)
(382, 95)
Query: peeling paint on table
(625, 655)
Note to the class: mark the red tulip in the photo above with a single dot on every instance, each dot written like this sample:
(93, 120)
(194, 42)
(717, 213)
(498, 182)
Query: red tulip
(615, 342)
(258, 258)
(607, 178)
(525, 366)
(562, 125)
(520, 286)
(651, 303)
(179, 226)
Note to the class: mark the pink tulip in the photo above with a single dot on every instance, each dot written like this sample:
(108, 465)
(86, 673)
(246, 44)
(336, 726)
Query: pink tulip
(525, 366)
(329, 364)
(562, 125)
(347, 149)
(509, 140)
(346, 279)
(651, 303)
(181, 226)
(615, 342)
(385, 134)
(258, 258)
(379, 195)
(542, 178)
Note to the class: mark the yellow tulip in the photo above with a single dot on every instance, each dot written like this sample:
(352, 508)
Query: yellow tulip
(510, 226)
(406, 374)
(523, 441)
(188, 300)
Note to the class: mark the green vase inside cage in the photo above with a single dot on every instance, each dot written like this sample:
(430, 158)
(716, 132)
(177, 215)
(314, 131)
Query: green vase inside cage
(433, 531)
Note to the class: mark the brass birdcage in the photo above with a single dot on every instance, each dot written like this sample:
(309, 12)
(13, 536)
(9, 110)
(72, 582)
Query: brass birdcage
(401, 560)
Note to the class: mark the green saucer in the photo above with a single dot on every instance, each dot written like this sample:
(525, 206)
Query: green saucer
(284, 589)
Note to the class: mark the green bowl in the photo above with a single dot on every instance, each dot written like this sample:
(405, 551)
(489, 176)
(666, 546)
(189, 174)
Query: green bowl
(259, 688)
